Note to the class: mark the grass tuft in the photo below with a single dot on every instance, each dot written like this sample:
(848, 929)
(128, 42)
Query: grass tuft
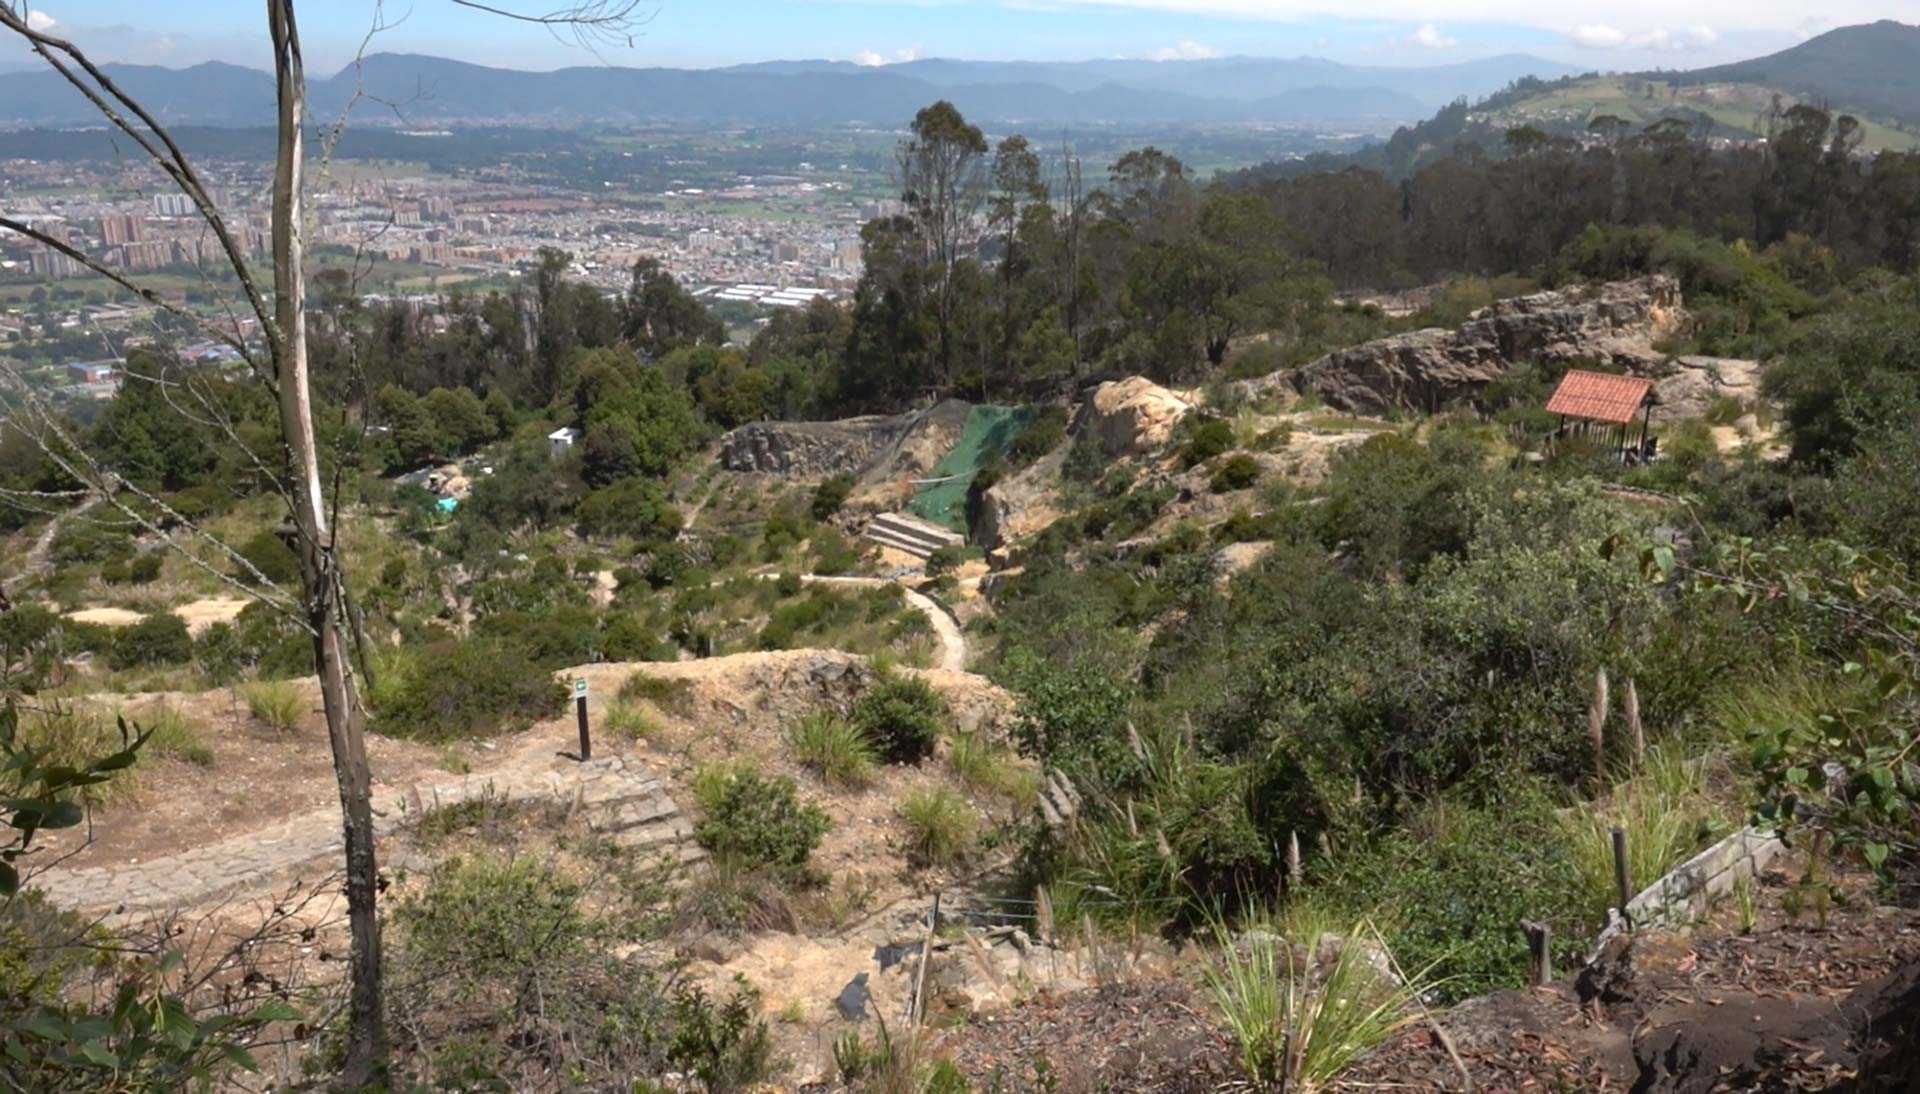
(1299, 1023)
(173, 734)
(280, 704)
(1667, 817)
(988, 768)
(632, 721)
(834, 749)
(940, 826)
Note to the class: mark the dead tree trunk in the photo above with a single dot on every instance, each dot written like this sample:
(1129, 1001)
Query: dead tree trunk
(316, 547)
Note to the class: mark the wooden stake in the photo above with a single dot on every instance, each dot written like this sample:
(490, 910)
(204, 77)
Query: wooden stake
(1620, 873)
(1539, 952)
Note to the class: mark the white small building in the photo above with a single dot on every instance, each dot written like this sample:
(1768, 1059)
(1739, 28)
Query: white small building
(560, 442)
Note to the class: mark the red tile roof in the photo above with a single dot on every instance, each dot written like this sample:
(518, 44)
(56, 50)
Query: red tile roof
(1599, 397)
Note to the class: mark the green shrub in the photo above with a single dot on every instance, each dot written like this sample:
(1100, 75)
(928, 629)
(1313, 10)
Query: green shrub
(269, 554)
(833, 749)
(1042, 435)
(833, 553)
(1238, 472)
(829, 496)
(276, 703)
(754, 821)
(1211, 438)
(476, 688)
(145, 569)
(945, 560)
(672, 696)
(940, 826)
(902, 716)
(158, 639)
(633, 507)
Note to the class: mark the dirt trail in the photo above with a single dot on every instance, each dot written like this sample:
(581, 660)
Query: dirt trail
(953, 642)
(269, 848)
(40, 554)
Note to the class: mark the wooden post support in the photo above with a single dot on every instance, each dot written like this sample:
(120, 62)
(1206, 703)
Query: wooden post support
(580, 710)
(917, 1005)
(1539, 952)
(1620, 873)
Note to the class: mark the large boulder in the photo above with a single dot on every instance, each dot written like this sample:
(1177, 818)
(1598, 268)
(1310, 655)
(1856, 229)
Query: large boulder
(1130, 417)
(1614, 324)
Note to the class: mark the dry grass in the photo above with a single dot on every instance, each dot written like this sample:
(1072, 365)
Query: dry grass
(279, 704)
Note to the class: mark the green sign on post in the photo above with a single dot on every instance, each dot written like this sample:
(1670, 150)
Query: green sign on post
(580, 709)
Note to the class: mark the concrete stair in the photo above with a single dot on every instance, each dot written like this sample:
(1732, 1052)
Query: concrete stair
(914, 535)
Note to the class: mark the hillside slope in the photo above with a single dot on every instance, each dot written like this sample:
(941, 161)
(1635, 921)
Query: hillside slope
(1868, 68)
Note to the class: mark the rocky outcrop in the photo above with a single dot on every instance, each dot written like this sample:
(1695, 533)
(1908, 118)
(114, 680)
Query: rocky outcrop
(1615, 324)
(807, 450)
(1130, 417)
(1688, 387)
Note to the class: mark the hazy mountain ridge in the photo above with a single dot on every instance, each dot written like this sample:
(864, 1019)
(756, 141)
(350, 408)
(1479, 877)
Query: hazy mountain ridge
(431, 89)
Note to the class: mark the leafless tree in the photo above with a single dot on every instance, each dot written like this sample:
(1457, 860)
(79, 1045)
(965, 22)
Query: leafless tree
(279, 362)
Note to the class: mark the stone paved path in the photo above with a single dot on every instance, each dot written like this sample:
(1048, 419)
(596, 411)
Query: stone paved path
(617, 796)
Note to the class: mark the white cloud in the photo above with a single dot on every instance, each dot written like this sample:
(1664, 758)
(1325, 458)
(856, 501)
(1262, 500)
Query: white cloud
(41, 21)
(1655, 39)
(870, 59)
(1429, 37)
(1597, 36)
(1186, 51)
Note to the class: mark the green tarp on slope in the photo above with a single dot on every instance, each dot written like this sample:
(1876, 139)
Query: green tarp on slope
(989, 432)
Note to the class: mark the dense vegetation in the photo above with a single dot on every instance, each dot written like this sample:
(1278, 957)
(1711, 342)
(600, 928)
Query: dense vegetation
(1391, 715)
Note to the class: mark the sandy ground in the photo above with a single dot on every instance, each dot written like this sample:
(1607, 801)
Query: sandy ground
(199, 615)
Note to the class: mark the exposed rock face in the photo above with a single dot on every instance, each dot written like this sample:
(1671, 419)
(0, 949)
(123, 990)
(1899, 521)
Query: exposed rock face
(803, 450)
(1688, 387)
(1131, 417)
(1616, 323)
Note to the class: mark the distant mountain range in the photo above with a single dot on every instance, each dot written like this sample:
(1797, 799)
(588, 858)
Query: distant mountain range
(434, 90)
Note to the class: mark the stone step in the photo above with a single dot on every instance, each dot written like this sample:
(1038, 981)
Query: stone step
(906, 527)
(641, 811)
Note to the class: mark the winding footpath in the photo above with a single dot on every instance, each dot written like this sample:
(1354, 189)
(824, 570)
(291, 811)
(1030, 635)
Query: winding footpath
(953, 642)
(619, 795)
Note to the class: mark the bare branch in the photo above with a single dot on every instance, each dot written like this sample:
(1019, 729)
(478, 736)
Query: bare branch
(589, 23)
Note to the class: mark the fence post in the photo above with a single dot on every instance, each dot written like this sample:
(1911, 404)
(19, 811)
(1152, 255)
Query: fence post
(1620, 873)
(1539, 952)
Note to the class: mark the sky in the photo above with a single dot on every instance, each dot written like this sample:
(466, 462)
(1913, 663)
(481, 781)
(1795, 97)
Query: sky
(1601, 34)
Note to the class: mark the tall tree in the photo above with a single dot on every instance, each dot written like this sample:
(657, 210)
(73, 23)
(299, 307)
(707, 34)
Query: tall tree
(942, 183)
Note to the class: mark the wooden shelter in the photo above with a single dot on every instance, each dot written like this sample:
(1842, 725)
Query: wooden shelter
(1608, 401)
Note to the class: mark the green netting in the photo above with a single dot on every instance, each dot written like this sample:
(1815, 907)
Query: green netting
(989, 432)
